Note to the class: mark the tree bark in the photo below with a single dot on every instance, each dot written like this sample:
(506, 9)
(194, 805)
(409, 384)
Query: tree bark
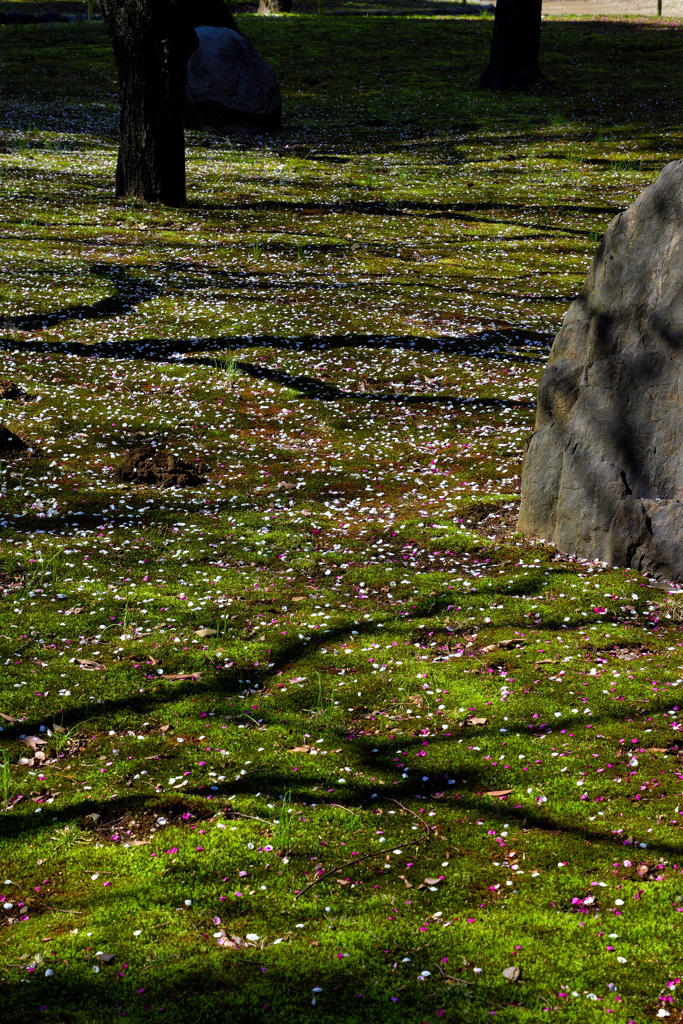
(152, 41)
(515, 46)
(275, 6)
(209, 12)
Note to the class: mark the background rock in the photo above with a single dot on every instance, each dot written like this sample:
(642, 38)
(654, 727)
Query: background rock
(230, 87)
(603, 473)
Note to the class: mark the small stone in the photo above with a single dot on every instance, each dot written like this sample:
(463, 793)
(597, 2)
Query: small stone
(512, 973)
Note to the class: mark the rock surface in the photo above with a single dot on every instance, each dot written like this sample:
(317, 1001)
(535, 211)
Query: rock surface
(145, 465)
(603, 472)
(230, 87)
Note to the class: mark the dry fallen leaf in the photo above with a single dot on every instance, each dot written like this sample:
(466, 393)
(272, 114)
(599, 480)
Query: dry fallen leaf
(73, 611)
(433, 881)
(205, 632)
(105, 958)
(185, 675)
(475, 721)
(8, 718)
(91, 666)
(231, 942)
(164, 728)
(408, 885)
(33, 741)
(300, 750)
(301, 598)
(498, 792)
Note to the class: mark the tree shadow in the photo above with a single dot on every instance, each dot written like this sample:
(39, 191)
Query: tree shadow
(130, 291)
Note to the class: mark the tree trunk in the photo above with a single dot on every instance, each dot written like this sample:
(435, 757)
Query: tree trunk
(514, 47)
(275, 6)
(152, 41)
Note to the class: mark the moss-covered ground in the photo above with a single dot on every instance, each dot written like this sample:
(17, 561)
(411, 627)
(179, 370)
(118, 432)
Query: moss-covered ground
(413, 750)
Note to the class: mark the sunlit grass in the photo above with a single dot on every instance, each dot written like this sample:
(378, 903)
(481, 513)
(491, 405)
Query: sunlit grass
(337, 647)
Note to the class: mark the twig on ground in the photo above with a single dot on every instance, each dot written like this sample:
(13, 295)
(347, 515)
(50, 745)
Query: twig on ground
(423, 823)
(340, 867)
(252, 817)
(28, 643)
(459, 981)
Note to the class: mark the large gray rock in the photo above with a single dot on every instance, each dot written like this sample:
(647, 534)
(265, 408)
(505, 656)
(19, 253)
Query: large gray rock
(603, 473)
(230, 87)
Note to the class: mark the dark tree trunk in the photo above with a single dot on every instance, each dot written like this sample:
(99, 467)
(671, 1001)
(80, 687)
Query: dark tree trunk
(514, 47)
(152, 41)
(275, 6)
(209, 12)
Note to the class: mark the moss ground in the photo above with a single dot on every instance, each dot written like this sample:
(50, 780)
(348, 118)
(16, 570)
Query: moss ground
(474, 736)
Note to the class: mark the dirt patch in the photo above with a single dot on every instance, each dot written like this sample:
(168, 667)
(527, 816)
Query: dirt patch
(145, 465)
(8, 389)
(12, 445)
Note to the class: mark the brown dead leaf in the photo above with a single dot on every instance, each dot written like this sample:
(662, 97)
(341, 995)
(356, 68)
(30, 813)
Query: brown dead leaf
(300, 750)
(498, 792)
(73, 611)
(408, 885)
(301, 598)
(343, 881)
(545, 661)
(8, 718)
(205, 632)
(504, 645)
(433, 881)
(33, 742)
(164, 728)
(90, 666)
(184, 675)
(475, 721)
(105, 958)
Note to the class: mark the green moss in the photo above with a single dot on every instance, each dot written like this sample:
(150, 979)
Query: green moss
(346, 325)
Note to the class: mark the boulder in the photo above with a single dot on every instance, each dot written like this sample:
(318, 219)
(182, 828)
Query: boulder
(603, 471)
(230, 87)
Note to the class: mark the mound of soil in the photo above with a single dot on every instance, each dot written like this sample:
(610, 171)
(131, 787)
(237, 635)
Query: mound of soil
(8, 389)
(11, 444)
(158, 469)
